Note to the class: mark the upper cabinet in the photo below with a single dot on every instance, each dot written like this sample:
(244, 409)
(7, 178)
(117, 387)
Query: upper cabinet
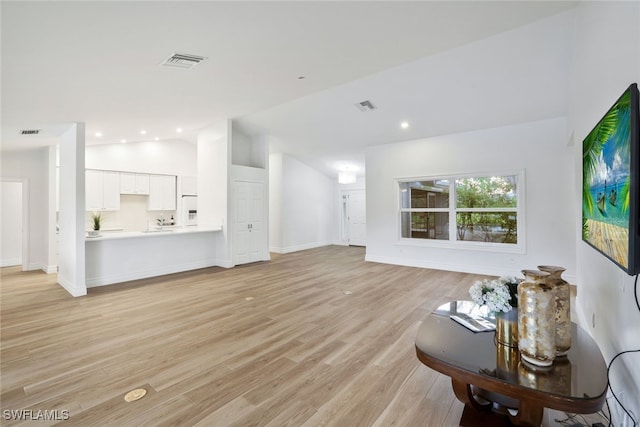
(134, 183)
(102, 190)
(162, 193)
(189, 185)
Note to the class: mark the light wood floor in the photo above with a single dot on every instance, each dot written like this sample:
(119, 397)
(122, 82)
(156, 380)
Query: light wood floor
(313, 338)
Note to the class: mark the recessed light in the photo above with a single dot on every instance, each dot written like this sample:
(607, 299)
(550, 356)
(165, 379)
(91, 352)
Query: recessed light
(404, 125)
(98, 134)
(124, 141)
(156, 139)
(179, 130)
(143, 132)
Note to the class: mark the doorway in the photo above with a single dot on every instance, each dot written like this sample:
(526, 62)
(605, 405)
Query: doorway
(13, 223)
(354, 217)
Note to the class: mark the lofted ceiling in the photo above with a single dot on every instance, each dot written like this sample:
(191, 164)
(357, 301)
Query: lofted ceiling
(293, 70)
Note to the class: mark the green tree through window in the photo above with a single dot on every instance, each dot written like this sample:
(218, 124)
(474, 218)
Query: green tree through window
(481, 209)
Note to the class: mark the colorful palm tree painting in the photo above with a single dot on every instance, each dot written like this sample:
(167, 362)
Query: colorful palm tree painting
(605, 183)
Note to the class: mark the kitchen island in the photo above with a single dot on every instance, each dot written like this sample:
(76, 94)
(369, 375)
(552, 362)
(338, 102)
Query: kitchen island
(116, 257)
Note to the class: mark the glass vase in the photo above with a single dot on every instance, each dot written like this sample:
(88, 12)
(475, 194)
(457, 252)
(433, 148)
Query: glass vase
(536, 319)
(562, 294)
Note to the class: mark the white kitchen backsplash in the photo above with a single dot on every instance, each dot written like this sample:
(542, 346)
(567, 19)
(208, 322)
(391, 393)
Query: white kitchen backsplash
(132, 216)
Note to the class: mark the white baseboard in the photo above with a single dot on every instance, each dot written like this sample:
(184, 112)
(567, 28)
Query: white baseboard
(34, 266)
(297, 248)
(224, 263)
(144, 274)
(50, 269)
(462, 268)
(69, 287)
(10, 262)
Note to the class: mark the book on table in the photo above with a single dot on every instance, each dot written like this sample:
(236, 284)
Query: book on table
(469, 314)
(473, 323)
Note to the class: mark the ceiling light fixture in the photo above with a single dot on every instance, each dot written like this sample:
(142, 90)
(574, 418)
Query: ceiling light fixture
(179, 130)
(143, 132)
(123, 141)
(98, 134)
(346, 177)
(156, 139)
(404, 125)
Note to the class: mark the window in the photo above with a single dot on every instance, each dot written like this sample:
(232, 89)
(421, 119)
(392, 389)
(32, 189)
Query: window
(463, 210)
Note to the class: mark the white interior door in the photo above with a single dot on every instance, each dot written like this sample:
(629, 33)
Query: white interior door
(257, 235)
(241, 244)
(356, 218)
(11, 223)
(249, 244)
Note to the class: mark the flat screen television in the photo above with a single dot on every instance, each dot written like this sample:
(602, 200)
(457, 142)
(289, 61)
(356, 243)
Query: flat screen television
(611, 183)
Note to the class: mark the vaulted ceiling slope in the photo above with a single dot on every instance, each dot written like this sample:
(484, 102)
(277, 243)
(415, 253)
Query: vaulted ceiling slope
(518, 76)
(98, 62)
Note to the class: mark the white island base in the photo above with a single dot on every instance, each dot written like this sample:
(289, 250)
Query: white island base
(121, 257)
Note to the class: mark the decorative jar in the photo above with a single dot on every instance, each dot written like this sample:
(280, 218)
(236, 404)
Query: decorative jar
(536, 319)
(562, 294)
(507, 328)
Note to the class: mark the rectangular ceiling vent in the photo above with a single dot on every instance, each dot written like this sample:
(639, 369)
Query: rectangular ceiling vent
(30, 132)
(182, 60)
(365, 106)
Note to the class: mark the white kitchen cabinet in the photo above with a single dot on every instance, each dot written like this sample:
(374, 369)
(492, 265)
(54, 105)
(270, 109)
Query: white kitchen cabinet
(250, 235)
(162, 193)
(134, 183)
(102, 189)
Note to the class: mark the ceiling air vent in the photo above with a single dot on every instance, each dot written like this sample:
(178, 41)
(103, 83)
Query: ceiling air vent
(365, 106)
(182, 60)
(30, 132)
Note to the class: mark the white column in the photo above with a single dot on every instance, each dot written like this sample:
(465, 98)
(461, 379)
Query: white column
(214, 157)
(71, 258)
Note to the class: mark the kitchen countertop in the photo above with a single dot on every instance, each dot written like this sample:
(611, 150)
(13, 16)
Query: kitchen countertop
(167, 231)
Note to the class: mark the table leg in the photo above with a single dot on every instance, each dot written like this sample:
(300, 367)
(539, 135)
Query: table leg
(465, 395)
(529, 415)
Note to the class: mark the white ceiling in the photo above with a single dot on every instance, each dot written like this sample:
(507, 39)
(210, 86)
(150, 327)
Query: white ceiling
(425, 62)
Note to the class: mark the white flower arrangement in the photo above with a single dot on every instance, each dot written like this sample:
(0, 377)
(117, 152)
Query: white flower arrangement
(497, 294)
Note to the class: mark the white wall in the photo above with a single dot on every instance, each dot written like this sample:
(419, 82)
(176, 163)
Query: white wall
(307, 216)
(11, 223)
(32, 166)
(158, 157)
(540, 148)
(606, 60)
(275, 202)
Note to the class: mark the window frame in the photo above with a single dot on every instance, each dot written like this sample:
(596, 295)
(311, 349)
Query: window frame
(453, 242)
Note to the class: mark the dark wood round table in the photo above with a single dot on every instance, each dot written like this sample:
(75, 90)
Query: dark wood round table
(490, 378)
